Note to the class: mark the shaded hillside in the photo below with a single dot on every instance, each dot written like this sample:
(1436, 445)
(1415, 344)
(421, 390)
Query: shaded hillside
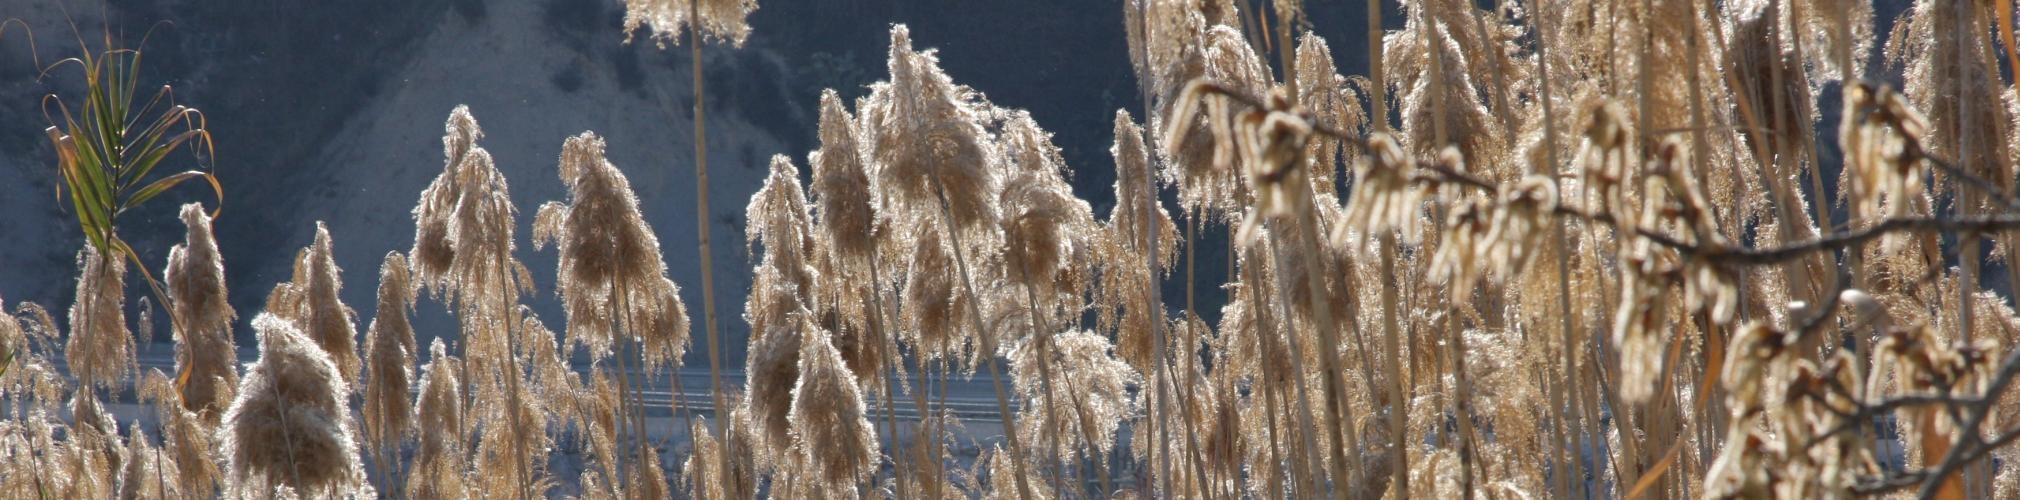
(332, 111)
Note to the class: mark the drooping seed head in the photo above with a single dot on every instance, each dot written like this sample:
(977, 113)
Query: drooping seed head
(611, 273)
(389, 358)
(290, 426)
(843, 196)
(205, 359)
(927, 139)
(830, 427)
(719, 20)
(100, 347)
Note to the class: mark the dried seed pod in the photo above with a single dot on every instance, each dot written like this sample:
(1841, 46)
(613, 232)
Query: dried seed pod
(1386, 196)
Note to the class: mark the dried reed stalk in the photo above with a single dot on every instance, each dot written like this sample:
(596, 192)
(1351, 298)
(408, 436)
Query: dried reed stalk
(723, 20)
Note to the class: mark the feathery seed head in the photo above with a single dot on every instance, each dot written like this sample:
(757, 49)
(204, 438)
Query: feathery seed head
(463, 241)
(186, 436)
(433, 252)
(100, 347)
(842, 191)
(933, 304)
(1326, 95)
(780, 219)
(289, 426)
(1132, 201)
(1045, 227)
(611, 272)
(312, 301)
(389, 358)
(198, 298)
(771, 372)
(926, 136)
(440, 468)
(1200, 148)
(702, 475)
(1090, 386)
(719, 20)
(830, 424)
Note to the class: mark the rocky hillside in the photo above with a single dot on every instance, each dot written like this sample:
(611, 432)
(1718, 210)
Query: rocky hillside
(332, 111)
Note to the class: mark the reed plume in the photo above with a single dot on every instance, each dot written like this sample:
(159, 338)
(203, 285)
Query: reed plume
(464, 253)
(187, 439)
(311, 300)
(1437, 97)
(433, 250)
(843, 195)
(716, 19)
(96, 453)
(145, 469)
(463, 239)
(1046, 229)
(1092, 392)
(611, 274)
(702, 475)
(440, 466)
(205, 359)
(1123, 285)
(30, 376)
(934, 305)
(772, 371)
(830, 424)
(599, 407)
(389, 363)
(1333, 103)
(926, 137)
(1168, 50)
(1209, 182)
(511, 428)
(100, 347)
(548, 371)
(289, 426)
(1003, 477)
(780, 220)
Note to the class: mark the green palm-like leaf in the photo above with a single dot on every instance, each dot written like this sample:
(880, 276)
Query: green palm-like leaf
(107, 149)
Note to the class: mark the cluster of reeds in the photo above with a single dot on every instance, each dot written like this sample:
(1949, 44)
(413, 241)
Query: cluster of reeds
(1559, 248)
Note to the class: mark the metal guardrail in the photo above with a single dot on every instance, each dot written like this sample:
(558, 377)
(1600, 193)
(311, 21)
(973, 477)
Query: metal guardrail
(969, 400)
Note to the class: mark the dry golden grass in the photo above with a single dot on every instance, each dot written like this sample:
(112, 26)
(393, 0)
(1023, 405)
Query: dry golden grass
(1592, 253)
